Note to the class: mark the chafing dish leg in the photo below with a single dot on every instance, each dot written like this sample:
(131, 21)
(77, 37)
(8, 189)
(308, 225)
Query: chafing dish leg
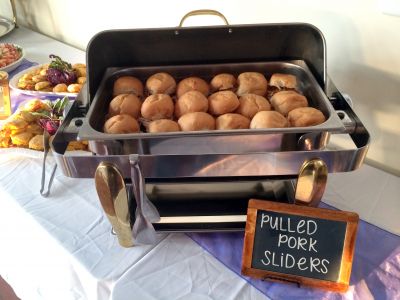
(311, 182)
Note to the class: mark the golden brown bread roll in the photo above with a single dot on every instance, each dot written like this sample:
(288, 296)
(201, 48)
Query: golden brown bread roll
(196, 121)
(157, 106)
(250, 104)
(305, 116)
(283, 81)
(121, 124)
(36, 143)
(161, 83)
(222, 102)
(252, 83)
(192, 84)
(163, 125)
(286, 101)
(128, 85)
(268, 119)
(232, 121)
(223, 82)
(128, 104)
(21, 139)
(191, 101)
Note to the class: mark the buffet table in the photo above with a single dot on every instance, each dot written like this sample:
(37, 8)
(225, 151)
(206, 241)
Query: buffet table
(62, 247)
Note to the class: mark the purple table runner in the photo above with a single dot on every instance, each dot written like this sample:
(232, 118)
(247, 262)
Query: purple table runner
(375, 273)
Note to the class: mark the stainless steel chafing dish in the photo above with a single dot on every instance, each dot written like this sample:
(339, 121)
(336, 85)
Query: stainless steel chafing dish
(202, 180)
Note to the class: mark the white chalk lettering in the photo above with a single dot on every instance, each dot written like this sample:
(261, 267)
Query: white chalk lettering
(311, 225)
(314, 263)
(300, 225)
(266, 253)
(301, 262)
(264, 219)
(287, 263)
(282, 239)
(311, 246)
(289, 226)
(324, 268)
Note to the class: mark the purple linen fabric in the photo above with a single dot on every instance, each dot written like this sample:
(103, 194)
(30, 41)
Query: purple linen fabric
(375, 273)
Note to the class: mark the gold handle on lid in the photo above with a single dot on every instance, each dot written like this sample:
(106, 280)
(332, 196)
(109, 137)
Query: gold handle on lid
(14, 11)
(203, 12)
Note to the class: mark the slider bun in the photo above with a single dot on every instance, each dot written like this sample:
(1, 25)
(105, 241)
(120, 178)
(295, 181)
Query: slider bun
(286, 101)
(163, 125)
(158, 106)
(232, 121)
(161, 83)
(250, 104)
(222, 82)
(305, 116)
(222, 102)
(128, 85)
(128, 104)
(36, 142)
(268, 119)
(121, 124)
(192, 84)
(252, 83)
(196, 121)
(191, 101)
(283, 81)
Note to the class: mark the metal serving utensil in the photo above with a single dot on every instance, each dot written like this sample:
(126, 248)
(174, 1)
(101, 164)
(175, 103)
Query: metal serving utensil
(111, 190)
(46, 148)
(311, 182)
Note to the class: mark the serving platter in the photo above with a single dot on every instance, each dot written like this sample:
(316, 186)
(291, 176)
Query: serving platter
(41, 94)
(6, 26)
(10, 67)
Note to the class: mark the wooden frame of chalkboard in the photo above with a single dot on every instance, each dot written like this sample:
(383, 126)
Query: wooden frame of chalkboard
(297, 244)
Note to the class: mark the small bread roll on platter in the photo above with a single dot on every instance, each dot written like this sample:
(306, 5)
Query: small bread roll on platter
(121, 124)
(251, 83)
(161, 83)
(285, 81)
(128, 104)
(128, 85)
(232, 121)
(196, 121)
(222, 102)
(191, 101)
(158, 106)
(286, 101)
(268, 119)
(163, 125)
(223, 82)
(250, 104)
(192, 84)
(305, 116)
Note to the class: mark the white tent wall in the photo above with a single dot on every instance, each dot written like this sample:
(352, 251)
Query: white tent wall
(362, 36)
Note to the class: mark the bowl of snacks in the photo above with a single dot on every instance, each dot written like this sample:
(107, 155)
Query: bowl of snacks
(57, 78)
(11, 56)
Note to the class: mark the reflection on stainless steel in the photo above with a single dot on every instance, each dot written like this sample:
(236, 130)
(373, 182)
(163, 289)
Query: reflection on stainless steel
(112, 194)
(311, 182)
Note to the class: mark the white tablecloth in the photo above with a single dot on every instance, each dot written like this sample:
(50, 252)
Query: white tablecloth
(62, 247)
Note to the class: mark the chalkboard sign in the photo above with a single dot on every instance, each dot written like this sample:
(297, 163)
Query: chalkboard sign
(303, 245)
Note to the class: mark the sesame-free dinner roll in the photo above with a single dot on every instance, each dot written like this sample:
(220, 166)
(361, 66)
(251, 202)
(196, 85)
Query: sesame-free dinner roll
(196, 121)
(192, 84)
(305, 116)
(163, 125)
(232, 121)
(121, 124)
(222, 102)
(280, 80)
(251, 83)
(250, 104)
(268, 119)
(128, 104)
(161, 83)
(191, 101)
(223, 82)
(286, 101)
(158, 106)
(128, 85)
